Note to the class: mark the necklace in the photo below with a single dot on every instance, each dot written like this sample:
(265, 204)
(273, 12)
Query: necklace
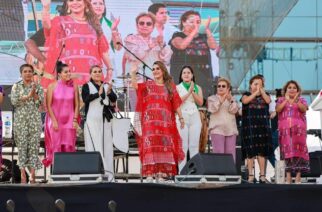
(77, 18)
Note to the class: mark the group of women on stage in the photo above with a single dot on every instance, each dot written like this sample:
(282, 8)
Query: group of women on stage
(167, 119)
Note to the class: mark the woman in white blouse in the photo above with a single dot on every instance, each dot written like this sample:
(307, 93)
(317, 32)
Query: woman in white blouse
(222, 126)
(191, 96)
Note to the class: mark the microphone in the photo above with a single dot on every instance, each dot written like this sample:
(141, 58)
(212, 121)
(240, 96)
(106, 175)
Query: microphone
(10, 205)
(60, 205)
(112, 206)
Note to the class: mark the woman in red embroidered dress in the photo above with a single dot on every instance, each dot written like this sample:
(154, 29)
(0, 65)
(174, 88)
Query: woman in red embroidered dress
(160, 145)
(76, 35)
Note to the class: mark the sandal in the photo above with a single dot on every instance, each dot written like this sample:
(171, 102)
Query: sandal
(264, 181)
(251, 178)
(149, 179)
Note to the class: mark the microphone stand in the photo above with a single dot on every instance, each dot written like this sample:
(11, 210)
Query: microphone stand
(144, 64)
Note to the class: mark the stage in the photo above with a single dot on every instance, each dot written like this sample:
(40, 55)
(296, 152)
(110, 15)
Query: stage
(163, 197)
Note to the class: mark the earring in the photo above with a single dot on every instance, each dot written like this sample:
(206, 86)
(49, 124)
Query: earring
(87, 10)
(68, 11)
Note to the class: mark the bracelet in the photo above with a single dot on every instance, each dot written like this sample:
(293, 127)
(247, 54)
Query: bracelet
(181, 118)
(110, 69)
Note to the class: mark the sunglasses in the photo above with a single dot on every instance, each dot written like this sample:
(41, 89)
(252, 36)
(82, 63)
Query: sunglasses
(157, 68)
(27, 71)
(221, 86)
(97, 72)
(142, 23)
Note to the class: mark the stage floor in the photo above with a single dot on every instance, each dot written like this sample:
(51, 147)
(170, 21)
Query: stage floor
(163, 197)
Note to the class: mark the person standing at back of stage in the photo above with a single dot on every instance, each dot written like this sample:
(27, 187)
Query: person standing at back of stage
(62, 116)
(1, 101)
(291, 110)
(191, 96)
(99, 99)
(192, 48)
(222, 126)
(161, 26)
(159, 142)
(27, 97)
(256, 131)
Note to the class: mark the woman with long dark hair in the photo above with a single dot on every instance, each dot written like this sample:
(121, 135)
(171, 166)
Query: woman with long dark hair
(192, 98)
(160, 145)
(76, 38)
(62, 114)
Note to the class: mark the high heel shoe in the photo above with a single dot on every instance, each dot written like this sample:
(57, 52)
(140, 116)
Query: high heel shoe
(263, 181)
(251, 178)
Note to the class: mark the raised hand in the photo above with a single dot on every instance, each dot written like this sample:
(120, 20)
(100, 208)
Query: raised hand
(101, 90)
(195, 30)
(115, 24)
(296, 97)
(134, 68)
(262, 90)
(46, 3)
(228, 95)
(287, 97)
(192, 86)
(207, 26)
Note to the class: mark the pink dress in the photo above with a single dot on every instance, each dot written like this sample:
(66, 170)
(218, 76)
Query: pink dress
(64, 139)
(83, 48)
(292, 136)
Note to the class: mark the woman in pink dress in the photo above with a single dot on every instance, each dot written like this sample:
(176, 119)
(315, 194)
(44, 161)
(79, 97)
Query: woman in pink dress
(76, 38)
(62, 116)
(292, 131)
(160, 145)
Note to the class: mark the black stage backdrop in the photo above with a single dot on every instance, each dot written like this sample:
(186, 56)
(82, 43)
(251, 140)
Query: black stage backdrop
(155, 198)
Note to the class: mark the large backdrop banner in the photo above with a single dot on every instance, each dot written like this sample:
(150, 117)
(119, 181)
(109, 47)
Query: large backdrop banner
(178, 33)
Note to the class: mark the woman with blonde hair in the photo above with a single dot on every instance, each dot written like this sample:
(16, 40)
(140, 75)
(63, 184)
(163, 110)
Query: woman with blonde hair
(222, 126)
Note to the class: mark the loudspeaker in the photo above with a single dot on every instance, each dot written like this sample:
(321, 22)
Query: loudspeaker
(315, 165)
(210, 164)
(77, 163)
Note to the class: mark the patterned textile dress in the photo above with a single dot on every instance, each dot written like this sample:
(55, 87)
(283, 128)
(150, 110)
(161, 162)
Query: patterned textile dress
(27, 124)
(197, 55)
(292, 137)
(83, 48)
(1, 91)
(256, 131)
(160, 145)
(63, 106)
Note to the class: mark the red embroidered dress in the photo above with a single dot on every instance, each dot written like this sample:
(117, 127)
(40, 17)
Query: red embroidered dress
(160, 145)
(83, 48)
